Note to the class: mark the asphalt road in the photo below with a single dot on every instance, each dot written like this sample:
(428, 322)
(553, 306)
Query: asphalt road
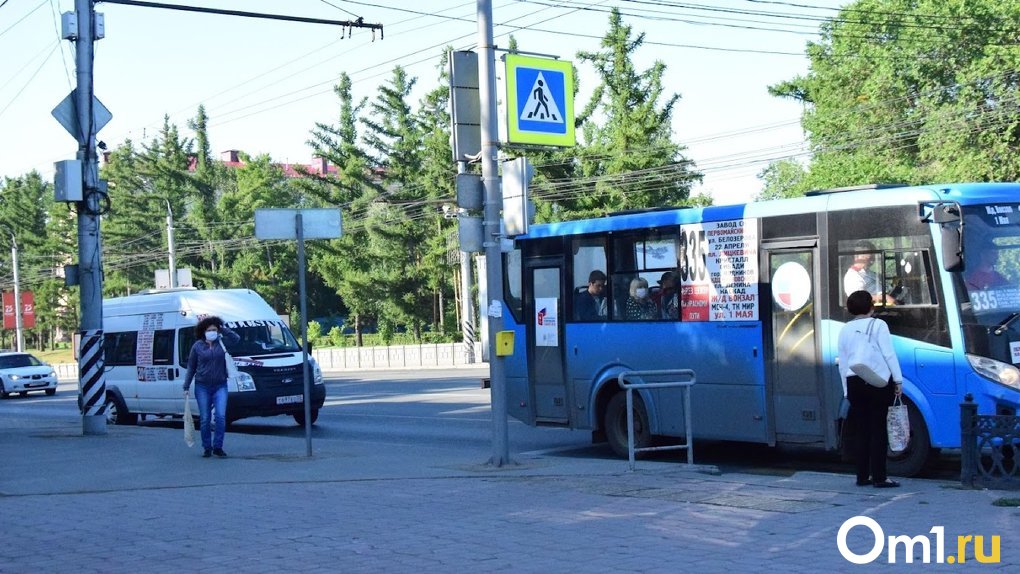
(442, 409)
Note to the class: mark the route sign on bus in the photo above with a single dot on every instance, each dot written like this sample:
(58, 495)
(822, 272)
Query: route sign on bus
(540, 101)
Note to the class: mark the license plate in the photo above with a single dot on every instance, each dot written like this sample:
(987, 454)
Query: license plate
(289, 399)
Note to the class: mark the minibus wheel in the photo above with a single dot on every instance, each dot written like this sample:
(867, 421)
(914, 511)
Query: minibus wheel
(117, 412)
(912, 461)
(299, 417)
(615, 424)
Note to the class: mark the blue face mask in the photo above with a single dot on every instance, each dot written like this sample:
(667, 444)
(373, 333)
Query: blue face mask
(211, 335)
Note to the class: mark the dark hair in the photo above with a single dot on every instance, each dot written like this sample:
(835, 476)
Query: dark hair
(205, 324)
(859, 303)
(596, 275)
(864, 245)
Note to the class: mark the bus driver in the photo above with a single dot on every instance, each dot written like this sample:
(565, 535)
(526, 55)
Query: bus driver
(860, 277)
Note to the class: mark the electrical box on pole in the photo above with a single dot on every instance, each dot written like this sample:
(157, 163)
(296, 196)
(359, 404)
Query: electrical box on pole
(67, 183)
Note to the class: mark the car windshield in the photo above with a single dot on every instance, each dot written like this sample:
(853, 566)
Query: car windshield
(990, 282)
(261, 338)
(16, 361)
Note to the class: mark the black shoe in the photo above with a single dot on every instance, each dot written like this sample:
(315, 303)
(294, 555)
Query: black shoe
(887, 484)
(207, 453)
(863, 482)
(219, 452)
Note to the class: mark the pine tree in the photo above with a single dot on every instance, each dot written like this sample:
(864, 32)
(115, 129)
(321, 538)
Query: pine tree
(628, 158)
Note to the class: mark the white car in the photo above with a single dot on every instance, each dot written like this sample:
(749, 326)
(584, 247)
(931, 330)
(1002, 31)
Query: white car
(21, 373)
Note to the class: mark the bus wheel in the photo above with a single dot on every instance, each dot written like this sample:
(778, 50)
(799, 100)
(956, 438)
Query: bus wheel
(299, 417)
(913, 460)
(117, 412)
(615, 424)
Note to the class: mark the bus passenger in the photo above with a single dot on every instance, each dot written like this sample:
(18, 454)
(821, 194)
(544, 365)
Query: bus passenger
(639, 305)
(869, 405)
(590, 304)
(860, 277)
(666, 298)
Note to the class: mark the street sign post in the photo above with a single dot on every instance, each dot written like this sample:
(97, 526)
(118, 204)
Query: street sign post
(300, 224)
(540, 101)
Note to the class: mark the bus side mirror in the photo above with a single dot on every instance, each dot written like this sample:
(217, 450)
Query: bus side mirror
(950, 220)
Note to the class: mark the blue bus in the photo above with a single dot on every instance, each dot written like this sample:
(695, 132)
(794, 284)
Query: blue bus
(752, 297)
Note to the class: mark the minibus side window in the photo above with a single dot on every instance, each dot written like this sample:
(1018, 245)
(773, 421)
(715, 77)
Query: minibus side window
(119, 348)
(163, 347)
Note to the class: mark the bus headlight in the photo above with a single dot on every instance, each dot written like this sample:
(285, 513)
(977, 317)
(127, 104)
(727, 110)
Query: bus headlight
(1001, 373)
(245, 382)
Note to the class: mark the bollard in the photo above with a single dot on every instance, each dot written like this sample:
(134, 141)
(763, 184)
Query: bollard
(968, 441)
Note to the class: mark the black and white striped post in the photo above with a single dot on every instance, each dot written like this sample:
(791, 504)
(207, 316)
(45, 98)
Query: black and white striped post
(91, 362)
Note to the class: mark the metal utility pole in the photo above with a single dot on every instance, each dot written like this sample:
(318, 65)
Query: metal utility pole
(467, 312)
(170, 244)
(92, 379)
(493, 207)
(19, 336)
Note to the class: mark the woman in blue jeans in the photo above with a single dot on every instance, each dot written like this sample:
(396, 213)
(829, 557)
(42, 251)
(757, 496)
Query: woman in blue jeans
(207, 367)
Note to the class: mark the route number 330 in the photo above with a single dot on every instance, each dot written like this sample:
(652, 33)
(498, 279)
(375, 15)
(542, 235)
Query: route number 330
(693, 255)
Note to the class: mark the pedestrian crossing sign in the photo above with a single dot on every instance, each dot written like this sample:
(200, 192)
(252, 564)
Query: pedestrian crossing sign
(540, 101)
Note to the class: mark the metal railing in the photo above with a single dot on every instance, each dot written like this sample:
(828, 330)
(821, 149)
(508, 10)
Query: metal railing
(687, 380)
(988, 445)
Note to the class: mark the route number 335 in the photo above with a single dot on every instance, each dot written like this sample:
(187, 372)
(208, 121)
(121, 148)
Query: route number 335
(693, 255)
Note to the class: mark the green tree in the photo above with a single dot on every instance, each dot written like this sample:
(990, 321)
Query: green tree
(397, 222)
(628, 159)
(143, 186)
(268, 268)
(782, 179)
(912, 91)
(344, 263)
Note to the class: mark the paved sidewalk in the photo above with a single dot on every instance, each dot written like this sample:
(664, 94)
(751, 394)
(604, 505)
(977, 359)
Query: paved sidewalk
(138, 500)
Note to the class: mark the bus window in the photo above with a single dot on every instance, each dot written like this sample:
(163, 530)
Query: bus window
(589, 266)
(639, 262)
(908, 277)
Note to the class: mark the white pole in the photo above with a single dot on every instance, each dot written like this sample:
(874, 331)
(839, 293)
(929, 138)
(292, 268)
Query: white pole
(19, 335)
(170, 244)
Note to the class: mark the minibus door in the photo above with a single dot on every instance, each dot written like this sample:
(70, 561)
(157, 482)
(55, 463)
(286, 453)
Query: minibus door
(794, 391)
(543, 313)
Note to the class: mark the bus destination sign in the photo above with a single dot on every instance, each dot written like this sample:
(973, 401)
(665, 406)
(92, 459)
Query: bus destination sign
(719, 271)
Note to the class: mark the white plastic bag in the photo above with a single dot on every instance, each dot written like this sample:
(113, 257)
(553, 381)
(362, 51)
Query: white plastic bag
(189, 423)
(898, 426)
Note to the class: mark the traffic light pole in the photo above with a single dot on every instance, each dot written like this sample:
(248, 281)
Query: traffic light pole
(91, 376)
(493, 254)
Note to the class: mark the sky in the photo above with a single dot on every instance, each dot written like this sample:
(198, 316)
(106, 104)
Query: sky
(266, 83)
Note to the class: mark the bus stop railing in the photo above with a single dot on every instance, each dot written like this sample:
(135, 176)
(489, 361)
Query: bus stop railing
(684, 380)
(988, 446)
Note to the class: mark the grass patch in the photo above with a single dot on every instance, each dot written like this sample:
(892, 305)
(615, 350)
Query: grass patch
(1008, 502)
(55, 356)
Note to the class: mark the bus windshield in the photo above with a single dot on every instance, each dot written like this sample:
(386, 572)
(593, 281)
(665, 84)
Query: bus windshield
(991, 280)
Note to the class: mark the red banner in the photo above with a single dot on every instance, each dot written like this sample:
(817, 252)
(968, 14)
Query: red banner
(27, 309)
(8, 299)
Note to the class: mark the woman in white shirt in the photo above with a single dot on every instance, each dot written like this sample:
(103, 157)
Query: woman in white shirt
(869, 405)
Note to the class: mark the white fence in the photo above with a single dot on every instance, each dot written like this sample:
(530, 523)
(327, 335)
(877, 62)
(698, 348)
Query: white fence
(354, 358)
(395, 357)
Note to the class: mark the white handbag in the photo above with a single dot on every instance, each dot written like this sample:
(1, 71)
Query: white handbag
(232, 372)
(898, 426)
(866, 359)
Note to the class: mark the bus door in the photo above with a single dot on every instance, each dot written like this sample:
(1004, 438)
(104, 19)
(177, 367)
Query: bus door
(793, 390)
(543, 312)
